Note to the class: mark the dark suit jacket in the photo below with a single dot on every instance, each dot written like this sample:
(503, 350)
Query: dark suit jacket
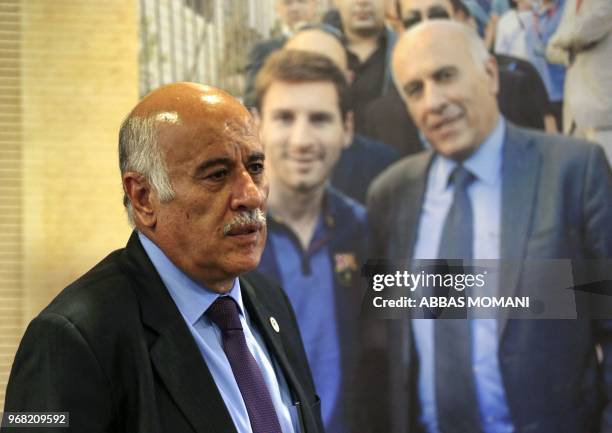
(359, 164)
(556, 203)
(114, 351)
(387, 120)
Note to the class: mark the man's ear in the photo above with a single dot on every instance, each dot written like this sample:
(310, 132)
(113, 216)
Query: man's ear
(349, 129)
(142, 198)
(492, 71)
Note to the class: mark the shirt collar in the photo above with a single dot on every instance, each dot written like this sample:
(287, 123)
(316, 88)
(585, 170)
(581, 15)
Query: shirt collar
(329, 211)
(191, 298)
(485, 163)
(381, 47)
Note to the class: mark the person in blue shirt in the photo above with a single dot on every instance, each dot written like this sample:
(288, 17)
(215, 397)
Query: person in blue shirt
(317, 236)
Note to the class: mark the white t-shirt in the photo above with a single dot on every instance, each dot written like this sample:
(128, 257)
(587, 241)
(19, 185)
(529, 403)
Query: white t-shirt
(511, 38)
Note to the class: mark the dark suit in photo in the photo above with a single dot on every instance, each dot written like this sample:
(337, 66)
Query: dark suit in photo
(556, 203)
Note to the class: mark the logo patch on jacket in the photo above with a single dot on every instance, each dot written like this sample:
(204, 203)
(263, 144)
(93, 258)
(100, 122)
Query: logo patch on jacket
(344, 266)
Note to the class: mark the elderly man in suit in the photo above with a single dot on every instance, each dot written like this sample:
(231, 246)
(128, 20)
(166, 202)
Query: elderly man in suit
(489, 190)
(164, 335)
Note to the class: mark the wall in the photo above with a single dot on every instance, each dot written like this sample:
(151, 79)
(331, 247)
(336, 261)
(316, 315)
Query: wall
(68, 75)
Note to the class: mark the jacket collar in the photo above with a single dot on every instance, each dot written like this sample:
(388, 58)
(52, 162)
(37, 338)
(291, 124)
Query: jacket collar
(173, 351)
(520, 177)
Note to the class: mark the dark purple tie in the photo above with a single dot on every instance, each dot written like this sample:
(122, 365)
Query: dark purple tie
(224, 313)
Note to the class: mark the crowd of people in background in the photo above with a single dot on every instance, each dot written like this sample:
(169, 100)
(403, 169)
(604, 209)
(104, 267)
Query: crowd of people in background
(335, 114)
(535, 41)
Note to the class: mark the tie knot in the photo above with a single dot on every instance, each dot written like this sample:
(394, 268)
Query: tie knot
(224, 313)
(461, 178)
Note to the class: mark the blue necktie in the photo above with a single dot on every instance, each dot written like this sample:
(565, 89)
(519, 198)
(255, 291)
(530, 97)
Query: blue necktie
(224, 313)
(456, 399)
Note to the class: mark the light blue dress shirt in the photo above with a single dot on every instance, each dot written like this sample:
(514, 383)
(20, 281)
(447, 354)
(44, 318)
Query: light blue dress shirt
(193, 300)
(485, 196)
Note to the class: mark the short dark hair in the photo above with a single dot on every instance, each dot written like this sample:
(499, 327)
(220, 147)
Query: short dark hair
(297, 66)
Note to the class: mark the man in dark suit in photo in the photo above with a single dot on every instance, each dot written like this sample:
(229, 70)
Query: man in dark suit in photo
(489, 190)
(167, 334)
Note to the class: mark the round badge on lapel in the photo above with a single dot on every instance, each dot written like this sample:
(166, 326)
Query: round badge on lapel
(274, 324)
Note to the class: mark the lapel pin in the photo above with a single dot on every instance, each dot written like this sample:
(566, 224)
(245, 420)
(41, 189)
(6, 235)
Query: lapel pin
(274, 324)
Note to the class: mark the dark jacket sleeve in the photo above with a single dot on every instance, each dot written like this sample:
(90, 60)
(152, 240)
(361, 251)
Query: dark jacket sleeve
(597, 204)
(597, 207)
(55, 370)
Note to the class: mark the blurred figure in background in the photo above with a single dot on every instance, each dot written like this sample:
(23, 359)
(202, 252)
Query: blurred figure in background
(512, 30)
(523, 32)
(369, 45)
(393, 20)
(317, 237)
(292, 14)
(364, 155)
(584, 43)
(547, 18)
(486, 15)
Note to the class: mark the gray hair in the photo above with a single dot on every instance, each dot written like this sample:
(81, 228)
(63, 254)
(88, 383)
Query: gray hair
(139, 151)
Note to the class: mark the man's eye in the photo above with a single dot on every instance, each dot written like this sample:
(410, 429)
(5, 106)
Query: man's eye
(414, 90)
(320, 118)
(284, 117)
(256, 168)
(217, 175)
(445, 75)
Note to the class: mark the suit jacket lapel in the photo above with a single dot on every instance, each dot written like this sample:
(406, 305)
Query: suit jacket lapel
(261, 315)
(520, 173)
(174, 353)
(411, 199)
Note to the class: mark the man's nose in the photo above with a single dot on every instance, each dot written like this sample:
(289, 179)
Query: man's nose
(247, 194)
(434, 98)
(301, 137)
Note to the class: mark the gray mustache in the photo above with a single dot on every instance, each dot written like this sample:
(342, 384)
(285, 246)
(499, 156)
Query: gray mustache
(245, 218)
